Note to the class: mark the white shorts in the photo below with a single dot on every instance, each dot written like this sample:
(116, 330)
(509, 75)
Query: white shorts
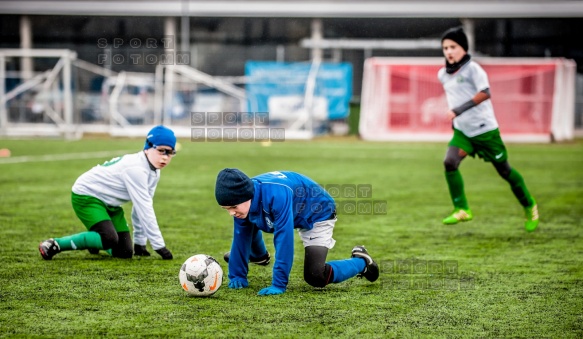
(320, 234)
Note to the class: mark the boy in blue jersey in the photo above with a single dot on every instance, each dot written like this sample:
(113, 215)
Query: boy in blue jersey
(279, 202)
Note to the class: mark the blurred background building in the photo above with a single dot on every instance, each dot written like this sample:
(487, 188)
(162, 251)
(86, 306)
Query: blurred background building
(218, 38)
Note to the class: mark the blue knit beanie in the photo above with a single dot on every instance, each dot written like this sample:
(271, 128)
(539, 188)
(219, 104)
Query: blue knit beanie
(160, 136)
(233, 187)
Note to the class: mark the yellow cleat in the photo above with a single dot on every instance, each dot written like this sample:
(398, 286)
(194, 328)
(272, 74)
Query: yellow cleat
(531, 216)
(458, 215)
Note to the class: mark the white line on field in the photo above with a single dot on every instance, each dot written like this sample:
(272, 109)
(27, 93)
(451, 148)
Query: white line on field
(62, 157)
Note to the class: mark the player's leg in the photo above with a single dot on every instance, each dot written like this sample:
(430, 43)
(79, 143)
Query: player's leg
(459, 147)
(360, 264)
(99, 234)
(518, 187)
(317, 242)
(455, 182)
(123, 248)
(93, 214)
(108, 237)
(258, 253)
(318, 272)
(494, 150)
(514, 178)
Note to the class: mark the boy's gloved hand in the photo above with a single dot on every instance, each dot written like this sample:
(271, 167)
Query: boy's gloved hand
(164, 253)
(271, 290)
(238, 283)
(141, 250)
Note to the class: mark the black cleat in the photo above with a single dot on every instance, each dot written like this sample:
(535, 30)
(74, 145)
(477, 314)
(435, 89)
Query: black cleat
(48, 249)
(263, 261)
(371, 271)
(93, 250)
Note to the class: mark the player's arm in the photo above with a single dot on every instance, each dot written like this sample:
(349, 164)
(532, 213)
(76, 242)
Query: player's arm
(145, 223)
(283, 239)
(240, 251)
(480, 97)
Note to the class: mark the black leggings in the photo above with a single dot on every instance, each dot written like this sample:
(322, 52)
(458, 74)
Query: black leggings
(455, 155)
(119, 242)
(316, 272)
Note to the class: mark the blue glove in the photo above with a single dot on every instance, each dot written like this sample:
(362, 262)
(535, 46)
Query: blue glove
(238, 283)
(271, 290)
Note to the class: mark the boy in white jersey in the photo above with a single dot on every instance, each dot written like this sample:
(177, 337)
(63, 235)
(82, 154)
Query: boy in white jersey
(475, 129)
(98, 194)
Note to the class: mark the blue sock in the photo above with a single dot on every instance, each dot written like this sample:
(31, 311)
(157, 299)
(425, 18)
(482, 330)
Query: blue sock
(347, 268)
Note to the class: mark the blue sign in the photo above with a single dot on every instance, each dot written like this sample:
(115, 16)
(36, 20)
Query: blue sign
(283, 90)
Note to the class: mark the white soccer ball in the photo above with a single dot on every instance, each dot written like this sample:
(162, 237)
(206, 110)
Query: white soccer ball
(201, 275)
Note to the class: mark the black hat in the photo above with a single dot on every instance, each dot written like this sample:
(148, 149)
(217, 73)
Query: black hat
(233, 187)
(456, 34)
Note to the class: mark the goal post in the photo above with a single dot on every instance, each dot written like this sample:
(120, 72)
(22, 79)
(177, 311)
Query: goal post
(58, 116)
(533, 98)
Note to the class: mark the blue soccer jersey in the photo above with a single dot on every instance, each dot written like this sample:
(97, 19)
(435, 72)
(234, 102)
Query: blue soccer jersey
(282, 201)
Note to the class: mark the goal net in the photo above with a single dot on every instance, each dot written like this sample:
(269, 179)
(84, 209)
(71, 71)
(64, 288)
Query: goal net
(533, 99)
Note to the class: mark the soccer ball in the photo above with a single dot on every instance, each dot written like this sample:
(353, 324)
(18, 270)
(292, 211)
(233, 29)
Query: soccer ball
(201, 275)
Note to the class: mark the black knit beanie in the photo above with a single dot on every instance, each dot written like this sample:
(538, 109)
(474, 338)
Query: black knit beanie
(233, 187)
(456, 34)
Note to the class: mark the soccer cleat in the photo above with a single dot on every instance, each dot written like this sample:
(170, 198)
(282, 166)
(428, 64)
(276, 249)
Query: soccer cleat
(93, 251)
(458, 215)
(371, 270)
(48, 249)
(531, 216)
(262, 261)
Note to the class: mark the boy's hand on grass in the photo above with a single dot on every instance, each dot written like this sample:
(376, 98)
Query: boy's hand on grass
(271, 290)
(140, 250)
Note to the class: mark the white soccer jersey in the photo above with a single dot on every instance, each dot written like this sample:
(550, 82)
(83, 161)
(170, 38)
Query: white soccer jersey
(462, 86)
(123, 179)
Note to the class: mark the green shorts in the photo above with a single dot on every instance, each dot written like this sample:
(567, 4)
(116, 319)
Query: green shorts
(488, 146)
(91, 210)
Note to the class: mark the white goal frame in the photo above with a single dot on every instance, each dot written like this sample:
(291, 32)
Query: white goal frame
(62, 119)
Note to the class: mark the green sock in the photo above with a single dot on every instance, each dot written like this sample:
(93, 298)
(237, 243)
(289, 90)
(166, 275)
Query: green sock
(456, 189)
(519, 188)
(80, 241)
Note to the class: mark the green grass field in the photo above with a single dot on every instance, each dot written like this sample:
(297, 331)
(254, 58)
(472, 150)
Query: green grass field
(497, 280)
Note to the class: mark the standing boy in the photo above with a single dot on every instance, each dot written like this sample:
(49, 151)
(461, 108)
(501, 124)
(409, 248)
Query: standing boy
(475, 129)
(98, 194)
(279, 202)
